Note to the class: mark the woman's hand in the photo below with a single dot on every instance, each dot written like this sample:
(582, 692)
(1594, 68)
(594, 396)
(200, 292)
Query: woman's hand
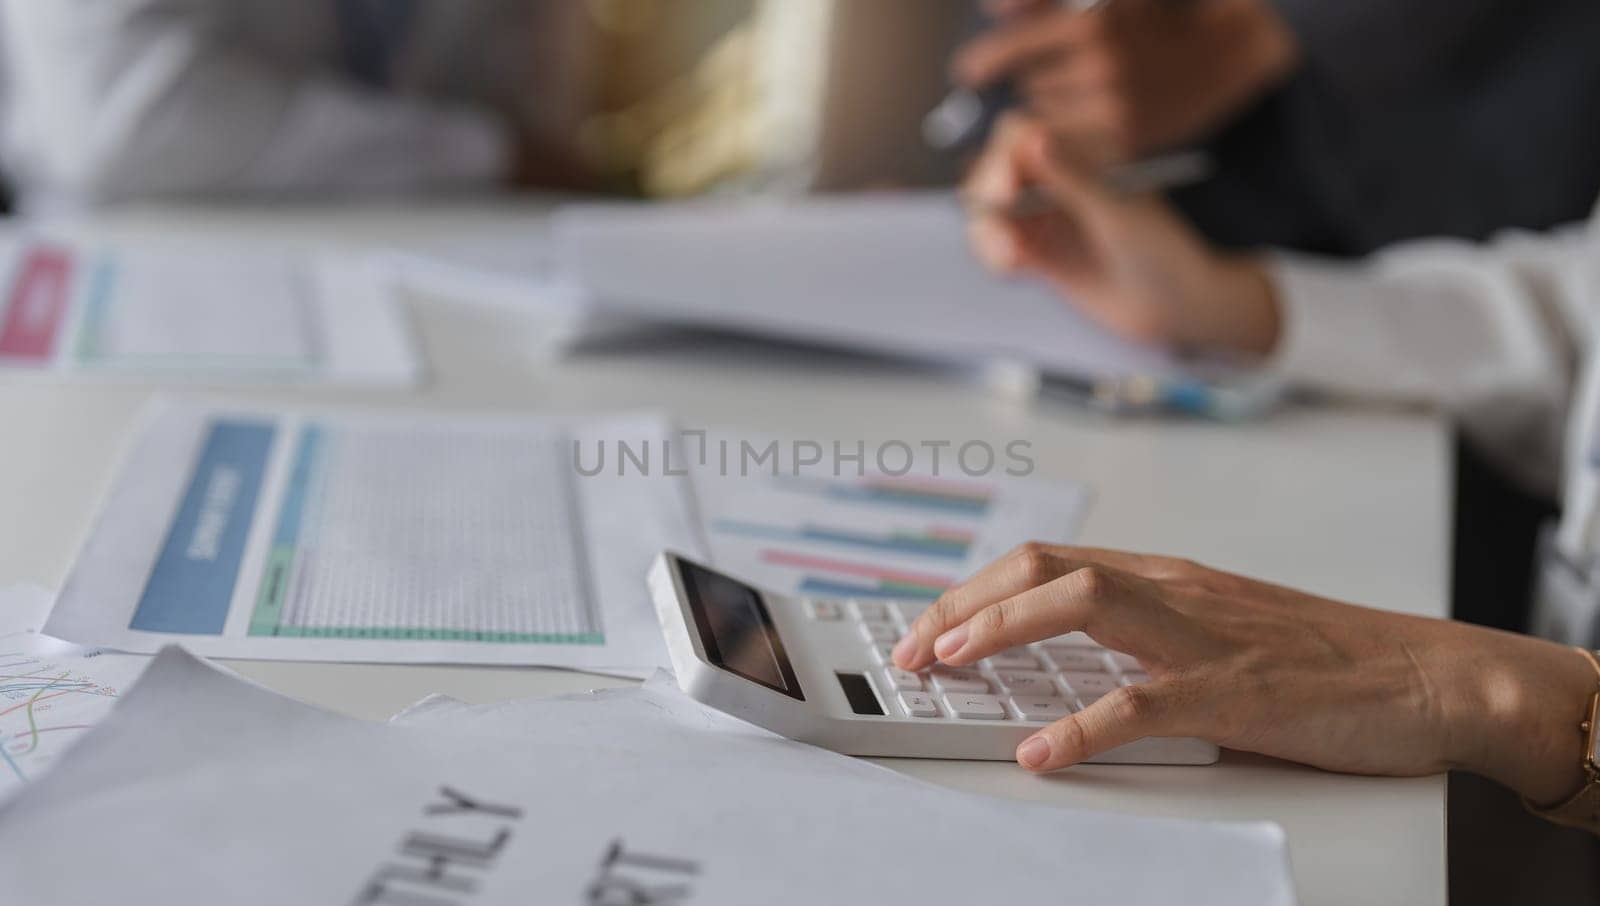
(1128, 263)
(1135, 76)
(1266, 669)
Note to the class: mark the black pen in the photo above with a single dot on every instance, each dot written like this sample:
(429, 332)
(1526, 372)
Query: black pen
(965, 113)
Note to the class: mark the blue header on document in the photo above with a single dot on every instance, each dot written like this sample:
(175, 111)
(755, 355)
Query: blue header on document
(191, 587)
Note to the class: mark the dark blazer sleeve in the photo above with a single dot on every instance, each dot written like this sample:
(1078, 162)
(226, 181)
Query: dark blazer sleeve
(1361, 47)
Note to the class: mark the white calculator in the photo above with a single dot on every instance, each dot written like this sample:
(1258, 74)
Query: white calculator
(818, 670)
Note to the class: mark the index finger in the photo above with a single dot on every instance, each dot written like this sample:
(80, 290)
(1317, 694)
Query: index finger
(1028, 566)
(1091, 599)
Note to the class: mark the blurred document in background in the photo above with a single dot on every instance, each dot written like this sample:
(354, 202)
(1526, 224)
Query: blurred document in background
(887, 274)
(51, 693)
(368, 537)
(204, 788)
(207, 311)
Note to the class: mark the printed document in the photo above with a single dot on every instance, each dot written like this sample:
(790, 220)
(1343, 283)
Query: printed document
(51, 693)
(202, 788)
(23, 608)
(887, 274)
(207, 310)
(377, 537)
(864, 533)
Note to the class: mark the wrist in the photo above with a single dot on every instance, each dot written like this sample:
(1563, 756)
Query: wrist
(1240, 312)
(1519, 724)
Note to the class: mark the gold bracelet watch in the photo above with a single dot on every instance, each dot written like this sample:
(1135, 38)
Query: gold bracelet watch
(1583, 808)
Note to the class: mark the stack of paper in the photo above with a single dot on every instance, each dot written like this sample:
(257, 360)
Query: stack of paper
(885, 274)
(881, 274)
(201, 788)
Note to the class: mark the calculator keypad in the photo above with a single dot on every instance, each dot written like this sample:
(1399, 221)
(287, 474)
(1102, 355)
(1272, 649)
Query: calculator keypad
(1037, 683)
(959, 679)
(974, 706)
(903, 680)
(918, 704)
(1025, 682)
(824, 610)
(1039, 707)
(879, 632)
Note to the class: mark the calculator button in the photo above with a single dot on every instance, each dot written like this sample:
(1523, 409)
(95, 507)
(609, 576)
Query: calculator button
(1126, 663)
(869, 611)
(1025, 682)
(918, 704)
(1015, 659)
(1135, 677)
(879, 632)
(903, 680)
(957, 680)
(1039, 707)
(824, 610)
(1089, 686)
(883, 652)
(975, 707)
(1078, 660)
(908, 610)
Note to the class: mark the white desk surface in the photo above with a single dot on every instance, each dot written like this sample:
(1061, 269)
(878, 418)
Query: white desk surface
(1350, 504)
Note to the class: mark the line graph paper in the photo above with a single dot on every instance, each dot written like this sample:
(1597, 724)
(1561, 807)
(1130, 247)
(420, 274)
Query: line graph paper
(51, 693)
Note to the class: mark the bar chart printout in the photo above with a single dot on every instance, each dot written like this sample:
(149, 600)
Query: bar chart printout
(877, 536)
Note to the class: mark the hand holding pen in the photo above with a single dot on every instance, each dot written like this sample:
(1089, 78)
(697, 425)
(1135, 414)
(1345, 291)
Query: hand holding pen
(1126, 261)
(1118, 82)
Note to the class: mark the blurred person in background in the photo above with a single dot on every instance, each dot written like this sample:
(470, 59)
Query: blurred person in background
(1493, 333)
(117, 99)
(1337, 126)
(124, 100)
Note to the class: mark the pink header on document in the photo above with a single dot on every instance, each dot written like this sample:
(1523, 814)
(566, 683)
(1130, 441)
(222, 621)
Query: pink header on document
(37, 309)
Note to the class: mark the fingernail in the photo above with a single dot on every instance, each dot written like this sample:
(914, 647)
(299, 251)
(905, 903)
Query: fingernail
(1034, 752)
(905, 650)
(951, 642)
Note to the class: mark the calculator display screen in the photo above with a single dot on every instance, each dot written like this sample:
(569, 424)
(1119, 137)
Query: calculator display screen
(736, 630)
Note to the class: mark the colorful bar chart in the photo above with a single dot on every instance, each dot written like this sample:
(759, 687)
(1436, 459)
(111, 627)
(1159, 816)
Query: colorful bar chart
(823, 577)
(927, 494)
(875, 536)
(938, 542)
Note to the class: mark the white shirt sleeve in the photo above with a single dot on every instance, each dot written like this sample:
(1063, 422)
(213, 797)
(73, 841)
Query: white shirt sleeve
(1490, 333)
(120, 99)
